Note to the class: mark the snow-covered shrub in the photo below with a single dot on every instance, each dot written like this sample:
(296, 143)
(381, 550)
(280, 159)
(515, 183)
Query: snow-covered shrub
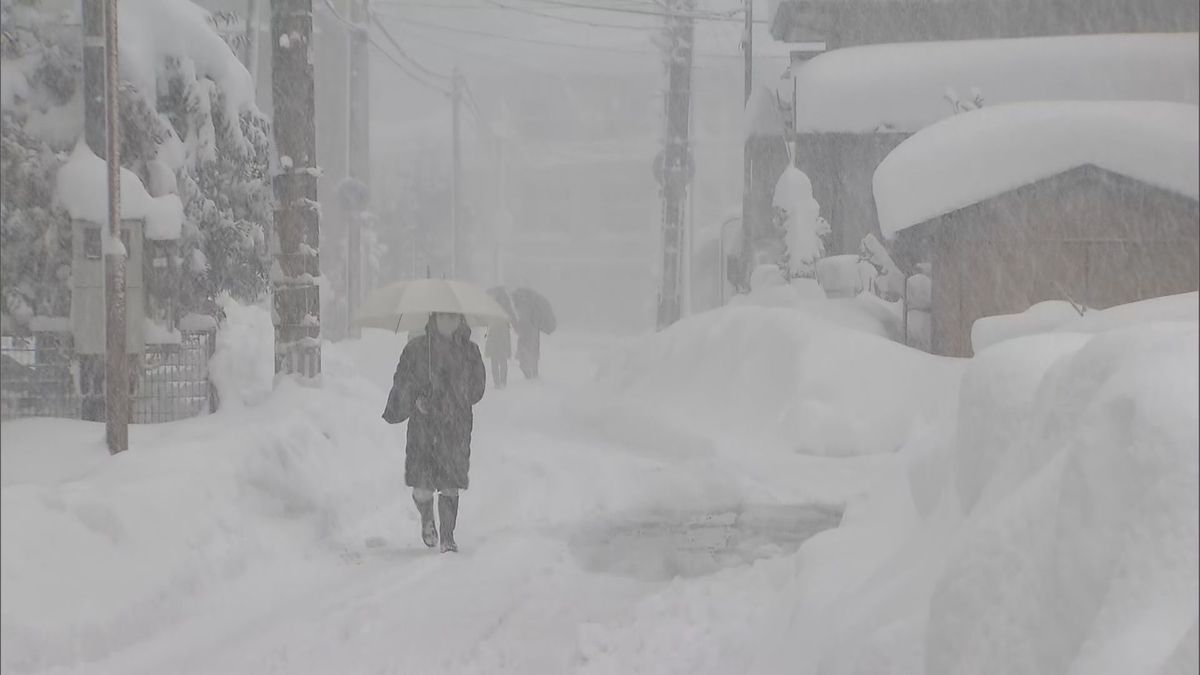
(189, 126)
(800, 216)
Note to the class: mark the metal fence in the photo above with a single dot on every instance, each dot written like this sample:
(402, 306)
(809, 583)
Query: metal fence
(41, 376)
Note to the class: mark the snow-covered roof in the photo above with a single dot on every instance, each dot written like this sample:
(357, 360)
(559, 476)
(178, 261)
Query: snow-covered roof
(977, 155)
(82, 188)
(904, 87)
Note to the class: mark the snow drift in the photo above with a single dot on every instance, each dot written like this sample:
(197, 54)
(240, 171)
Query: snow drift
(777, 379)
(1049, 526)
(192, 506)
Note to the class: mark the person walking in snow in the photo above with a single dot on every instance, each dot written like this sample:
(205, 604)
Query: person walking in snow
(439, 378)
(534, 317)
(498, 348)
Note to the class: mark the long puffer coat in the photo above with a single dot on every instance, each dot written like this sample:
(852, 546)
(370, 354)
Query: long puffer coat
(450, 375)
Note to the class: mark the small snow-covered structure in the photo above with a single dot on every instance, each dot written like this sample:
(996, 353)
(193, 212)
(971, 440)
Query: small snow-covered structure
(1094, 203)
(81, 187)
(802, 222)
(855, 105)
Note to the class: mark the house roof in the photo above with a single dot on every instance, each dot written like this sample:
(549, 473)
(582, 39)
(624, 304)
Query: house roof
(977, 155)
(906, 87)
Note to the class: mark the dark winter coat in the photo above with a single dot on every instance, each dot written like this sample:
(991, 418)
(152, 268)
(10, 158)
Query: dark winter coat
(449, 374)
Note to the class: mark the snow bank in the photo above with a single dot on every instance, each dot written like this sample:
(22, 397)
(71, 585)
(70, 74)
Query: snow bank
(904, 87)
(1180, 307)
(864, 312)
(1040, 318)
(1063, 317)
(777, 380)
(268, 483)
(1050, 525)
(971, 157)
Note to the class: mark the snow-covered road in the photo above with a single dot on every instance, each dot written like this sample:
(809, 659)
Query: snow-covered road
(564, 529)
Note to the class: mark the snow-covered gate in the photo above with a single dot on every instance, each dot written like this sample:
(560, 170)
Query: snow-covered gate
(42, 376)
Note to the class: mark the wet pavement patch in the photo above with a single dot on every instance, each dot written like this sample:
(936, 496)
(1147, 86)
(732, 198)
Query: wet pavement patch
(664, 545)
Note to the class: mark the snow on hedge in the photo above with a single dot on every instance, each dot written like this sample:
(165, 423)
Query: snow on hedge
(1049, 526)
(154, 30)
(971, 157)
(904, 87)
(82, 188)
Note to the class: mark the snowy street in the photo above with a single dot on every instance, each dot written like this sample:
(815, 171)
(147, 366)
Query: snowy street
(599, 337)
(561, 529)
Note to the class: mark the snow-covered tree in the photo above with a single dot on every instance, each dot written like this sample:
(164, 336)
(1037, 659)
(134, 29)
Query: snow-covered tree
(189, 126)
(799, 214)
(38, 78)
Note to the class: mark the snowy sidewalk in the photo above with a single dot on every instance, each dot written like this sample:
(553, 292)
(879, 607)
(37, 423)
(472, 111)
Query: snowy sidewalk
(561, 529)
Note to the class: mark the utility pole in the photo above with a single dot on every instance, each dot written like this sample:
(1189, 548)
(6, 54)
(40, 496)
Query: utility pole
(359, 164)
(456, 177)
(676, 157)
(747, 257)
(296, 301)
(91, 367)
(117, 406)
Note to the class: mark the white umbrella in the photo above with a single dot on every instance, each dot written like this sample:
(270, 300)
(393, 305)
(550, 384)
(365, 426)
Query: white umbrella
(406, 305)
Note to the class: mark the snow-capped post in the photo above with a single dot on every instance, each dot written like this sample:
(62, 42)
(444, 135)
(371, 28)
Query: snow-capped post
(296, 301)
(674, 166)
(117, 406)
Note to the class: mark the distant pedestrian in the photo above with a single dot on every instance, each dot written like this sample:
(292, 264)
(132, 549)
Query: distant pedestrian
(534, 317)
(498, 348)
(439, 378)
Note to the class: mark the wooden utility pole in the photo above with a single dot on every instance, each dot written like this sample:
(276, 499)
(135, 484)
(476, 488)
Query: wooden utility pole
(747, 257)
(117, 406)
(359, 164)
(296, 297)
(676, 158)
(456, 177)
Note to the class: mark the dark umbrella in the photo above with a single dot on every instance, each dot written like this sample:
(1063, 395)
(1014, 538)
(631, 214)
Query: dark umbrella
(533, 305)
(502, 298)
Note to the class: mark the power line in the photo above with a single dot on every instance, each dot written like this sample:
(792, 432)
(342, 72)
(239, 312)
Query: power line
(353, 27)
(593, 24)
(549, 43)
(404, 54)
(655, 10)
(699, 16)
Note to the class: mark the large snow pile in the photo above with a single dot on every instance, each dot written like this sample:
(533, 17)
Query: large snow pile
(1049, 526)
(977, 155)
(905, 87)
(1040, 318)
(864, 312)
(269, 482)
(1179, 307)
(775, 379)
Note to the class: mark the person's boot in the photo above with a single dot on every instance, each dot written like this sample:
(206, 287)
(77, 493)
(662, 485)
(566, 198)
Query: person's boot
(448, 513)
(429, 533)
